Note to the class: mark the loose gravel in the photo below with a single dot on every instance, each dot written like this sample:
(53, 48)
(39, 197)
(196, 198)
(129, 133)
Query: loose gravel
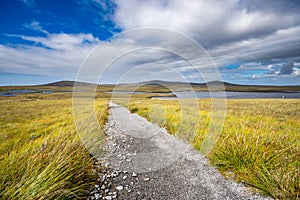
(143, 161)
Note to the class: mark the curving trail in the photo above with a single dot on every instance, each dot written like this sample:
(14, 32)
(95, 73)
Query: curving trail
(145, 162)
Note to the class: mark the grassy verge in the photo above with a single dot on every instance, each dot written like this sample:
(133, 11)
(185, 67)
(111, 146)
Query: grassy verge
(259, 144)
(41, 155)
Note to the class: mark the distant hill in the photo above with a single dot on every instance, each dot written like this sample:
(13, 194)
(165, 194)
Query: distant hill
(167, 86)
(159, 82)
(68, 84)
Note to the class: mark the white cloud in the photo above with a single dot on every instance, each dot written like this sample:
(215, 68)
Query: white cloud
(296, 72)
(297, 64)
(63, 41)
(54, 55)
(209, 22)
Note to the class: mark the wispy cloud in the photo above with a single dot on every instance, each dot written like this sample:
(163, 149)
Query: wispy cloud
(34, 25)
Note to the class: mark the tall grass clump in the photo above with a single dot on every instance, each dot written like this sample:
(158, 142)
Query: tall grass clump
(259, 144)
(42, 156)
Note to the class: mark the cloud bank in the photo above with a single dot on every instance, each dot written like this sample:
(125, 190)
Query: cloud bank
(260, 38)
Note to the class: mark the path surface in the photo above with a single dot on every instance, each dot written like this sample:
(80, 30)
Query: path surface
(145, 162)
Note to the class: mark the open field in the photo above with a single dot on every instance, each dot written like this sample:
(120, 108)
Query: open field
(259, 144)
(42, 156)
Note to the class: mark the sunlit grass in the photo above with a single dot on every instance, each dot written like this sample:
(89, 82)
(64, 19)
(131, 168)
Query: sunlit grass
(259, 144)
(42, 156)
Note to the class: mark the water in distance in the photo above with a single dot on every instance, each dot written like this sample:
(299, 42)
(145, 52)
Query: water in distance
(11, 93)
(235, 95)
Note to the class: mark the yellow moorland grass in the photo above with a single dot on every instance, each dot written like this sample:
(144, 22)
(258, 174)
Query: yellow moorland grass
(259, 144)
(42, 157)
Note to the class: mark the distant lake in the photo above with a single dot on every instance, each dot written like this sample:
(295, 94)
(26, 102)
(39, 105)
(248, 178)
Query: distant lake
(235, 95)
(11, 93)
(127, 92)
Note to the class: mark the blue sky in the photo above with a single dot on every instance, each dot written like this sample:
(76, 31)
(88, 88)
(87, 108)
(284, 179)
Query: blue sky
(250, 42)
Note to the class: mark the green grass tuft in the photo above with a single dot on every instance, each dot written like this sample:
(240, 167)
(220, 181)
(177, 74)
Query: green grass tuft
(42, 156)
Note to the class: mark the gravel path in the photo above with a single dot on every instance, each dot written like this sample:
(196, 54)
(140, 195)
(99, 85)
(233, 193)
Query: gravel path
(143, 161)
